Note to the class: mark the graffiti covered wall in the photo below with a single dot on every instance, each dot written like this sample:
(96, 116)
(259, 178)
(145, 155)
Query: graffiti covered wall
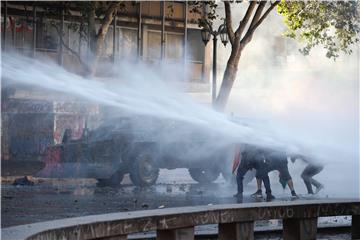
(27, 128)
(30, 126)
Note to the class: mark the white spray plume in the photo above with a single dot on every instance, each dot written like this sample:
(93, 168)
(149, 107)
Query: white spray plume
(311, 100)
(136, 89)
(297, 106)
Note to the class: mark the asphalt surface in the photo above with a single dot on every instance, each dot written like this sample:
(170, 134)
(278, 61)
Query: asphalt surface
(50, 199)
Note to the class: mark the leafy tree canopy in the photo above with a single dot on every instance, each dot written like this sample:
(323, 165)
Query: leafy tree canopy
(333, 24)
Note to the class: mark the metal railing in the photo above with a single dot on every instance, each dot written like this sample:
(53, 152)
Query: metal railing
(236, 221)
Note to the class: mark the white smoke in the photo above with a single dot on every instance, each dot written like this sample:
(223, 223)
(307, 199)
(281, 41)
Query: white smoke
(311, 99)
(136, 89)
(308, 105)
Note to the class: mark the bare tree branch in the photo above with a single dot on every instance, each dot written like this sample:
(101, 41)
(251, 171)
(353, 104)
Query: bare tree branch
(246, 18)
(257, 14)
(82, 32)
(247, 38)
(69, 48)
(228, 19)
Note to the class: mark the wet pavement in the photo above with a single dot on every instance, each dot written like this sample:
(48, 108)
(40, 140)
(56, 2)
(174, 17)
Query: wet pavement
(50, 199)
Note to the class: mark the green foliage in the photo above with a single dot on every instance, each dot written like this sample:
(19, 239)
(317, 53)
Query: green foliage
(198, 6)
(335, 25)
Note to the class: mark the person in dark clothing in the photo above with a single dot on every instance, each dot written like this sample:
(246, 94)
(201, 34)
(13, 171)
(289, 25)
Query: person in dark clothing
(273, 160)
(307, 175)
(252, 158)
(276, 160)
(264, 161)
(262, 170)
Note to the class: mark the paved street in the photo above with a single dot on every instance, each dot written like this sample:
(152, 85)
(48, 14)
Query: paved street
(52, 199)
(62, 198)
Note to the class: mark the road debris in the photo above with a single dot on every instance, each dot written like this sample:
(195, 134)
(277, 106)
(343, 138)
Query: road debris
(24, 181)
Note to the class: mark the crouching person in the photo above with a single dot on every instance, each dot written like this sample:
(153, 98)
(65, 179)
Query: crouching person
(309, 172)
(277, 160)
(271, 161)
(251, 158)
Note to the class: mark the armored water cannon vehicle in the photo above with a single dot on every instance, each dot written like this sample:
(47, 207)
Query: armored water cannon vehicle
(140, 145)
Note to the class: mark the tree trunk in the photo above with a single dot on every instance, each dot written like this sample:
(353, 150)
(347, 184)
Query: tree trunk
(97, 41)
(97, 52)
(229, 76)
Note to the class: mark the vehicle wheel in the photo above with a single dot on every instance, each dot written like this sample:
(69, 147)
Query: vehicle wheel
(204, 175)
(144, 172)
(114, 181)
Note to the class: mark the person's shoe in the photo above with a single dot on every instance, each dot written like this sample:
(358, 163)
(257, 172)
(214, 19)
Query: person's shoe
(269, 197)
(237, 195)
(318, 189)
(239, 200)
(294, 195)
(257, 194)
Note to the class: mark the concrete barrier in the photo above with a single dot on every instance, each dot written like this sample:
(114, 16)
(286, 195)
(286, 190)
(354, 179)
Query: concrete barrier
(236, 221)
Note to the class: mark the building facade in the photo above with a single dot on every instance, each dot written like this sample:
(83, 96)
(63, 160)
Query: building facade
(148, 31)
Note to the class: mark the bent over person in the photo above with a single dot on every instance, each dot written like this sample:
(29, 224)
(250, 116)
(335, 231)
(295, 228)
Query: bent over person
(268, 160)
(277, 160)
(309, 172)
(250, 158)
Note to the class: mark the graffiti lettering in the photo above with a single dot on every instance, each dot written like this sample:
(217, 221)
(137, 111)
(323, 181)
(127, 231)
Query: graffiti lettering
(27, 106)
(75, 108)
(276, 213)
